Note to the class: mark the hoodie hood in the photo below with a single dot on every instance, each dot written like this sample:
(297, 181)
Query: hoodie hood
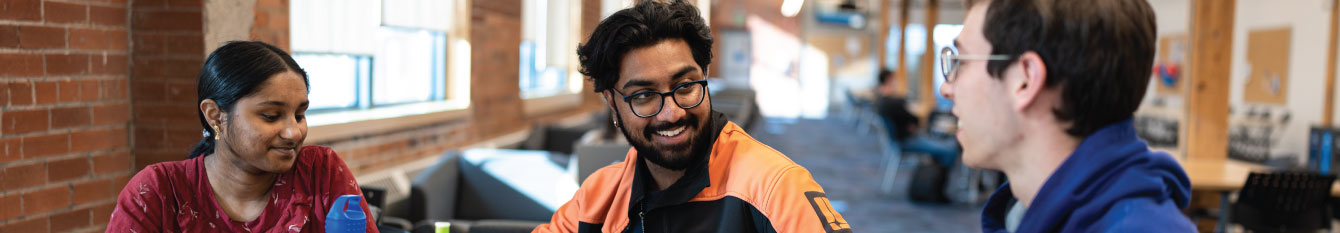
(1111, 179)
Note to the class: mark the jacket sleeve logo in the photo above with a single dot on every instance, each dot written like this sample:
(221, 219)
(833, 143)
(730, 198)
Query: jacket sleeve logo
(831, 220)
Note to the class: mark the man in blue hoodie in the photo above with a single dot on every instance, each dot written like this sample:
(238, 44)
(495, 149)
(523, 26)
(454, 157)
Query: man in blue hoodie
(1044, 91)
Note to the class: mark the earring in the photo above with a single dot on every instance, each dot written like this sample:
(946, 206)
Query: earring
(217, 132)
(616, 124)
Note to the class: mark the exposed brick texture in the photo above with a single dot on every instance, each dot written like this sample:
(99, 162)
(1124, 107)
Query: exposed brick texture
(64, 113)
(168, 41)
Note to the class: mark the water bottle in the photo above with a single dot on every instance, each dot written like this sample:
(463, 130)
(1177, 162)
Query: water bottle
(346, 216)
(442, 227)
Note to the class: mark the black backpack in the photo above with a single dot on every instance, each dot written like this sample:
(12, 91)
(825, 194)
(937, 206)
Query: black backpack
(928, 183)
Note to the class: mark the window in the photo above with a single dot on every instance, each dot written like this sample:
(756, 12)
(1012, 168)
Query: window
(549, 41)
(408, 70)
(943, 35)
(336, 80)
(608, 7)
(365, 54)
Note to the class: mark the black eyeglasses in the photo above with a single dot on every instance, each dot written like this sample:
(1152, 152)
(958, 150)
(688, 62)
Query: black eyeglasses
(648, 103)
(950, 60)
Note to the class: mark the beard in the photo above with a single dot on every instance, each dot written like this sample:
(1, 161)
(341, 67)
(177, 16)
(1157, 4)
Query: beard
(677, 157)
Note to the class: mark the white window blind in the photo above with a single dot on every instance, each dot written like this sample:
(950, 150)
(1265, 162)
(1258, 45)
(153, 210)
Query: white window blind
(334, 26)
(418, 14)
(560, 28)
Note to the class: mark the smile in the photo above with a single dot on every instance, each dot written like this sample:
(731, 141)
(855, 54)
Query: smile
(672, 132)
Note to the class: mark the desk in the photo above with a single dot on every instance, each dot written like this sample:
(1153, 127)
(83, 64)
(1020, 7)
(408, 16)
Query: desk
(1225, 176)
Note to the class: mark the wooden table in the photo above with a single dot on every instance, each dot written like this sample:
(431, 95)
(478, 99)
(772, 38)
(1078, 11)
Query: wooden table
(1225, 176)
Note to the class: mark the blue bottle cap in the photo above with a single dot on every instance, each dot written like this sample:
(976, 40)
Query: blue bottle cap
(346, 215)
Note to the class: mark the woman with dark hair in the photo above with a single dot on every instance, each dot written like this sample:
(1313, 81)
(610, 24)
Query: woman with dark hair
(250, 172)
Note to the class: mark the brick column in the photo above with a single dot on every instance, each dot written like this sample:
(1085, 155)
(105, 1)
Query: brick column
(168, 39)
(64, 113)
(495, 32)
(271, 23)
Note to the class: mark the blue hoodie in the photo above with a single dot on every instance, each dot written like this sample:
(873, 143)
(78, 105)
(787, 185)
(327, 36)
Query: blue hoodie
(1112, 182)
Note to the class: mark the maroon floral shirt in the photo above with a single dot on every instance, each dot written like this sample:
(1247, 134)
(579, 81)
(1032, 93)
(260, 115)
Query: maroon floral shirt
(176, 197)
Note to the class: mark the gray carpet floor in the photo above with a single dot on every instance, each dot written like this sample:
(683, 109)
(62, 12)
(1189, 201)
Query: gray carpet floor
(846, 163)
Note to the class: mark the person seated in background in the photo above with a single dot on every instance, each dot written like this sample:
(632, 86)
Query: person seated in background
(250, 172)
(905, 127)
(1045, 91)
(690, 170)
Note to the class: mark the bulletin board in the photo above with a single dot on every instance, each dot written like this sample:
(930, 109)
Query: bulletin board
(1170, 65)
(1268, 57)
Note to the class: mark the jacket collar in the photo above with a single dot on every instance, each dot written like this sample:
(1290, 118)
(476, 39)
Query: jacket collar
(695, 178)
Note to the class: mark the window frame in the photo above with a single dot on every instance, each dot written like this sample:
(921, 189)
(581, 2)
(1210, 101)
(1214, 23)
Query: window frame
(450, 100)
(571, 82)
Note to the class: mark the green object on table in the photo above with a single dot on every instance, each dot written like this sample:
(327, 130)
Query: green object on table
(442, 227)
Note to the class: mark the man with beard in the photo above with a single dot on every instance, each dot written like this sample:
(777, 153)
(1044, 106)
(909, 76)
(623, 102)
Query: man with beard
(690, 170)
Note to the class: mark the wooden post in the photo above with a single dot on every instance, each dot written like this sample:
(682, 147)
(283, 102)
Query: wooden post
(902, 43)
(928, 61)
(883, 44)
(1211, 54)
(1328, 110)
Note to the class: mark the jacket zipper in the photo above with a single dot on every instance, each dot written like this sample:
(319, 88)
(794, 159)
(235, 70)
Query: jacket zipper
(642, 218)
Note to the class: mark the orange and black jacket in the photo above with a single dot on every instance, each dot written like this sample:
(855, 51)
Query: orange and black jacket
(741, 186)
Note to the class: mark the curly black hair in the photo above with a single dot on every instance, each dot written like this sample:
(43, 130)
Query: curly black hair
(645, 24)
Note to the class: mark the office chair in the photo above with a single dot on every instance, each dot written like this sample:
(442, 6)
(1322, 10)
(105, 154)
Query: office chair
(892, 151)
(1284, 202)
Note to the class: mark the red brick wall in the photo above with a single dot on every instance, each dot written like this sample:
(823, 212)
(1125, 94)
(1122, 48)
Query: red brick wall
(271, 23)
(495, 35)
(64, 113)
(381, 151)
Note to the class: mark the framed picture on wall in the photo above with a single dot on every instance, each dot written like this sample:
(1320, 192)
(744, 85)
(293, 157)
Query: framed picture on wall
(1170, 64)
(1268, 59)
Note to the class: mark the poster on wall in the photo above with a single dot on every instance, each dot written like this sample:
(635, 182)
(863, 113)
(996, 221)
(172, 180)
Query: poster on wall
(1268, 58)
(1170, 64)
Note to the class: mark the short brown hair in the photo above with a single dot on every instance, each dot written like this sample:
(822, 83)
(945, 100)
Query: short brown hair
(1100, 52)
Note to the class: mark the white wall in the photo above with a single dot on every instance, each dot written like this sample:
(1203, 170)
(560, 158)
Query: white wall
(1310, 26)
(1309, 20)
(1172, 17)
